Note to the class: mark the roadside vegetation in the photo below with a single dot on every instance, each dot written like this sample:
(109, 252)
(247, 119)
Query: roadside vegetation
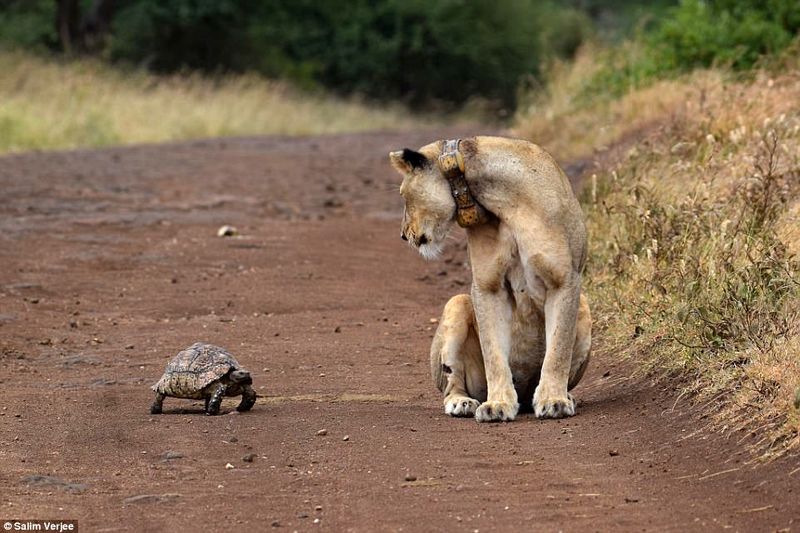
(76, 73)
(47, 104)
(694, 219)
(424, 54)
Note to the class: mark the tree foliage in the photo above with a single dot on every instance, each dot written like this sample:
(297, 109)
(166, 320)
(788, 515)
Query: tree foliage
(28, 24)
(412, 49)
(415, 50)
(700, 33)
(418, 51)
(735, 34)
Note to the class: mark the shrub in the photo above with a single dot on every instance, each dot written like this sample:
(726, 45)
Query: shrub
(734, 33)
(696, 34)
(169, 36)
(27, 23)
(417, 50)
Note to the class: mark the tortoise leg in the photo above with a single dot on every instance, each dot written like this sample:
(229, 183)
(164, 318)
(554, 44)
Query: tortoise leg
(215, 400)
(248, 399)
(155, 409)
(208, 399)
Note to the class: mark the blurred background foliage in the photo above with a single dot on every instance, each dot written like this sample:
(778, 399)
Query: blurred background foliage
(427, 54)
(731, 34)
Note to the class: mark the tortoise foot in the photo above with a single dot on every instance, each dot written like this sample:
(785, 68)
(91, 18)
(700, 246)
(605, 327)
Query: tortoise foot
(248, 399)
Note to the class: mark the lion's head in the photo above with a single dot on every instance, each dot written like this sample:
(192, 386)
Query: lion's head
(429, 206)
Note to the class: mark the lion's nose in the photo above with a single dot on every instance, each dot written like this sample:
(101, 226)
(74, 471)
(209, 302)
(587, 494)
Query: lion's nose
(403, 236)
(423, 240)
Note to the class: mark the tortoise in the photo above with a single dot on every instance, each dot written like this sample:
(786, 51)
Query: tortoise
(205, 371)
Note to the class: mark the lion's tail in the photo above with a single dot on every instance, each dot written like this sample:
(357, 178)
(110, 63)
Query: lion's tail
(437, 373)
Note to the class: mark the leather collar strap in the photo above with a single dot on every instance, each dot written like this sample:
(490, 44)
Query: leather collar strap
(451, 162)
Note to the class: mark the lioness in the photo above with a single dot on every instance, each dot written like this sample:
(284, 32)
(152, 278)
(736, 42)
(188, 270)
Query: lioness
(524, 331)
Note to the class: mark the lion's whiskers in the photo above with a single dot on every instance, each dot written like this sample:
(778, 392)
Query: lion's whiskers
(430, 251)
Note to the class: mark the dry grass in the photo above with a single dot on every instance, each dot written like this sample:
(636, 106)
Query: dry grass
(46, 104)
(694, 235)
(569, 124)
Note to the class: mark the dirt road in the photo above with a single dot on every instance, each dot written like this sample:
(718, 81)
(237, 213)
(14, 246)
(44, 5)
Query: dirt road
(110, 265)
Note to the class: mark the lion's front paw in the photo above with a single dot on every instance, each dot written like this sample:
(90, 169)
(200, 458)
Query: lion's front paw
(553, 406)
(456, 405)
(496, 412)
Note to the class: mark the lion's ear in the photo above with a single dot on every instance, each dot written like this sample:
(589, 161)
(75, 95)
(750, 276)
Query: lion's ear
(406, 160)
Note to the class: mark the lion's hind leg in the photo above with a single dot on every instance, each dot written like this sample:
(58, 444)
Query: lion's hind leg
(456, 362)
(583, 344)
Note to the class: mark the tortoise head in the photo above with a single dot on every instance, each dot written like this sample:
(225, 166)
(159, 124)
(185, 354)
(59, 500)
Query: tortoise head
(241, 377)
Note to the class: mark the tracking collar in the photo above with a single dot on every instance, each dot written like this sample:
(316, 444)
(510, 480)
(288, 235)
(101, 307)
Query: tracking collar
(451, 162)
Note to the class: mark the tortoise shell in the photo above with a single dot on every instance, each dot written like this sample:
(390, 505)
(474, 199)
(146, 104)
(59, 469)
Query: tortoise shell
(195, 368)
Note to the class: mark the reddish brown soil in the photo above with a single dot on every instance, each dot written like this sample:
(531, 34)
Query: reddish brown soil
(110, 265)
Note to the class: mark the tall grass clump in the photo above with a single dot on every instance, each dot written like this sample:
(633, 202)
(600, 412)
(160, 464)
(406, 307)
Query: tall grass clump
(571, 122)
(694, 220)
(47, 104)
(692, 265)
